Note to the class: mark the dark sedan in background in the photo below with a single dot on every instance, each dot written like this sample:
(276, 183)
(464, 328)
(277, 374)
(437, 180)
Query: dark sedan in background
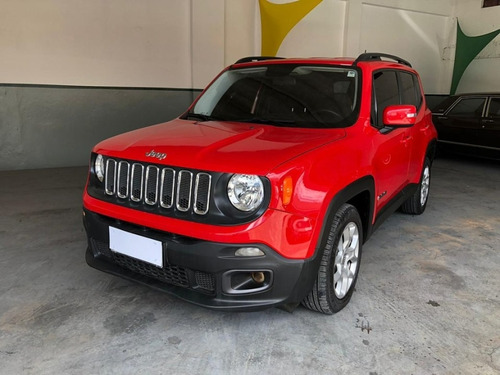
(469, 124)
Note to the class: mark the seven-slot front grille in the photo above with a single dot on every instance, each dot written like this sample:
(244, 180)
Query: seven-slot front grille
(156, 186)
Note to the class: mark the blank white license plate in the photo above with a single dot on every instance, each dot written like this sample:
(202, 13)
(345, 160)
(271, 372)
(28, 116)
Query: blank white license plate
(135, 246)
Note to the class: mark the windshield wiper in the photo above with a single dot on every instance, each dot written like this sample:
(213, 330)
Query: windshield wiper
(199, 116)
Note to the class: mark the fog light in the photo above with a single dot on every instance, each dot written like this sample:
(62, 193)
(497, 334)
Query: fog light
(249, 252)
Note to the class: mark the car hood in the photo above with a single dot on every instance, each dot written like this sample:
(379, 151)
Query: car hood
(217, 146)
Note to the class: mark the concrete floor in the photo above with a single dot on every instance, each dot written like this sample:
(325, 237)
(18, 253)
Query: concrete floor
(427, 300)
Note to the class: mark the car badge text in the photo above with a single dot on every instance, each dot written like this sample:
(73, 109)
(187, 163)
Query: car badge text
(158, 155)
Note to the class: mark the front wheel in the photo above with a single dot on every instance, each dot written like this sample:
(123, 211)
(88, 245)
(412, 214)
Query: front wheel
(415, 205)
(338, 270)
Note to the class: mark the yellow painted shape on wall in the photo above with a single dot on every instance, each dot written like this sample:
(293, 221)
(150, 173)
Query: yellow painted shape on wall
(278, 19)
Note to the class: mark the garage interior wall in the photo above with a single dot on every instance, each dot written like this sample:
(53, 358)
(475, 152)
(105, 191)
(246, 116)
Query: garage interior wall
(75, 72)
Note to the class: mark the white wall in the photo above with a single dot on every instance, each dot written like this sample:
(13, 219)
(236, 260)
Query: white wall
(320, 33)
(418, 31)
(95, 42)
(184, 43)
(411, 30)
(242, 33)
(124, 43)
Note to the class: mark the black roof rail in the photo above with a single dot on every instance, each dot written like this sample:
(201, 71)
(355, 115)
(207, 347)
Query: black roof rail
(256, 58)
(376, 56)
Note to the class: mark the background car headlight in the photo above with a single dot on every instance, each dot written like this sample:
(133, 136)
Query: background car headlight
(245, 192)
(99, 167)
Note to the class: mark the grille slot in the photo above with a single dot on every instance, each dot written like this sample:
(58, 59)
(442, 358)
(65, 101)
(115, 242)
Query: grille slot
(167, 187)
(136, 182)
(184, 185)
(164, 188)
(123, 178)
(109, 182)
(152, 177)
(201, 193)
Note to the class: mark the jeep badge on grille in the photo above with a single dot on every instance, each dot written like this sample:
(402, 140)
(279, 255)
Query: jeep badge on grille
(158, 155)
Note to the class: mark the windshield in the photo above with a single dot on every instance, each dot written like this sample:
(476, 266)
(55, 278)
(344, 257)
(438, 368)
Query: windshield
(283, 94)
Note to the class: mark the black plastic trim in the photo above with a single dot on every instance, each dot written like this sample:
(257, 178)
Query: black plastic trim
(364, 188)
(394, 204)
(365, 185)
(290, 283)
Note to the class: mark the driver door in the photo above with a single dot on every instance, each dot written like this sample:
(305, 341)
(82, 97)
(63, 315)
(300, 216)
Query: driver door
(393, 147)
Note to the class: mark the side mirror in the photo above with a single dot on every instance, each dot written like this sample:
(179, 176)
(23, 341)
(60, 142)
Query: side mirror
(400, 115)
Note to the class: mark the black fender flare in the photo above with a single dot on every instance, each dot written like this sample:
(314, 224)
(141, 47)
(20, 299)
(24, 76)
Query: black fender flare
(365, 184)
(361, 191)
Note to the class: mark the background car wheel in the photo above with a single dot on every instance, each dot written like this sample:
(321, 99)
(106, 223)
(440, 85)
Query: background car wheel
(416, 204)
(338, 270)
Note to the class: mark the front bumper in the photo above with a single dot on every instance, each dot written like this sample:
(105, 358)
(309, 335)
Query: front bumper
(202, 272)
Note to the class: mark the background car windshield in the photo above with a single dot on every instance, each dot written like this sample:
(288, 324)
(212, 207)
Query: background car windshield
(283, 94)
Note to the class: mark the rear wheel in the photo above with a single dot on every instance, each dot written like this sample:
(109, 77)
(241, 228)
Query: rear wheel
(338, 271)
(415, 205)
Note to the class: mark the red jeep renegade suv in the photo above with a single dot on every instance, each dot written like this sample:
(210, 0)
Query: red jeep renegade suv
(264, 191)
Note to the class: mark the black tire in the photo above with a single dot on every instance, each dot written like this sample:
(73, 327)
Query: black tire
(328, 296)
(415, 205)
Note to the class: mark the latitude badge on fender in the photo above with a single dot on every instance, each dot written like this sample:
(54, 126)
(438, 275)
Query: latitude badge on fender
(158, 155)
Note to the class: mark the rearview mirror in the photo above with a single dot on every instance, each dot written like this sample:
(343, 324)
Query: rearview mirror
(400, 115)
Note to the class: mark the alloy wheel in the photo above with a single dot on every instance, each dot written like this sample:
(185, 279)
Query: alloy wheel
(424, 186)
(346, 260)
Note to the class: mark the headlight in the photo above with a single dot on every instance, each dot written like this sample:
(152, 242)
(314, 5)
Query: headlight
(99, 167)
(245, 192)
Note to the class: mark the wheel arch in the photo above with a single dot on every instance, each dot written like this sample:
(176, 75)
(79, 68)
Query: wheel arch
(360, 194)
(431, 150)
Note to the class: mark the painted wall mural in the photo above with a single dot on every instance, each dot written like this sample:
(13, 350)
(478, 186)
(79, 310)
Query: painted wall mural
(278, 19)
(467, 48)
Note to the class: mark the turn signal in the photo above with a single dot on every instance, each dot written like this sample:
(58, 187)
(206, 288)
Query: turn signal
(287, 190)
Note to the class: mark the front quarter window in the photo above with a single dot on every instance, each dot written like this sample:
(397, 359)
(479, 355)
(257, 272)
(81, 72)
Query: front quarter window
(283, 95)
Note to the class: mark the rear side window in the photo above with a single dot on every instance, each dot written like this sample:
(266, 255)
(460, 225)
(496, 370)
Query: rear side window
(494, 110)
(391, 87)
